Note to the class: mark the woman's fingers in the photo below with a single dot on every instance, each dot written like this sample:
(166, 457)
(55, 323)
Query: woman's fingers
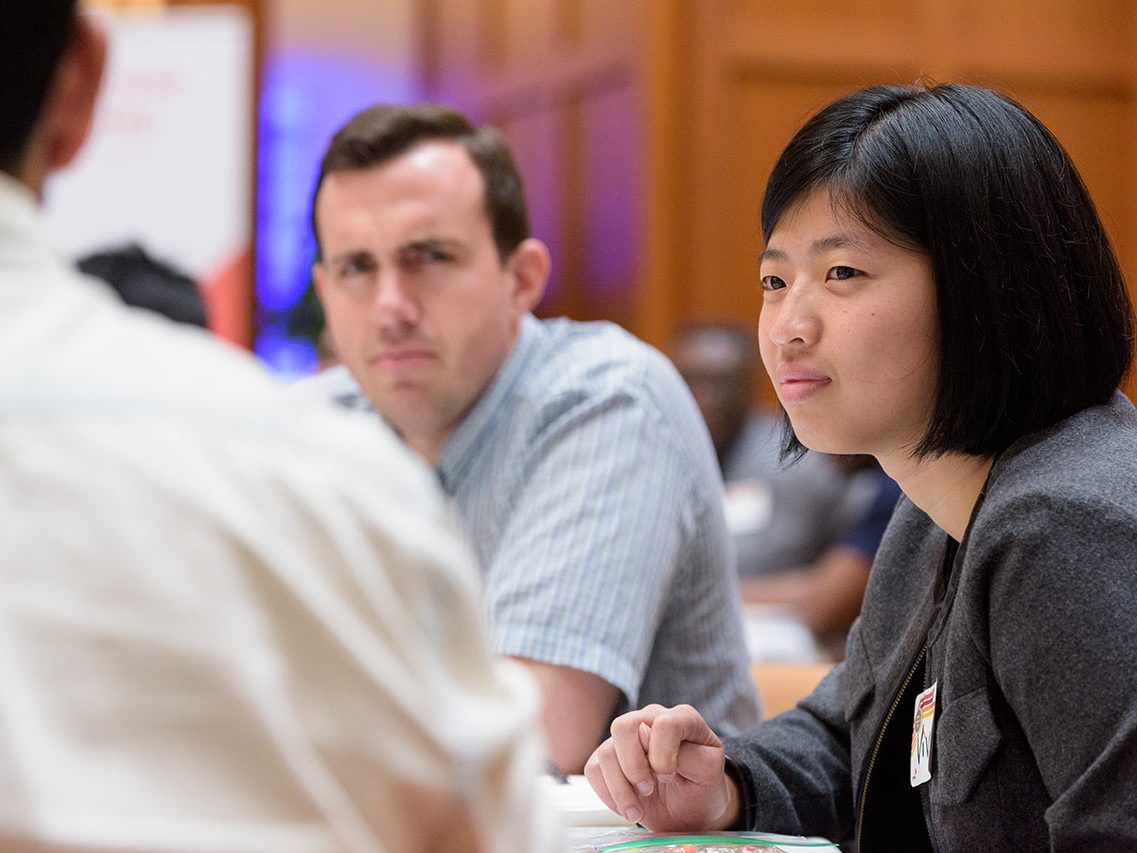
(631, 750)
(671, 735)
(647, 750)
(594, 773)
(618, 769)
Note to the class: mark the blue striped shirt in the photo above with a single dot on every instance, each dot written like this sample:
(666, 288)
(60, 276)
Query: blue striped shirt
(587, 482)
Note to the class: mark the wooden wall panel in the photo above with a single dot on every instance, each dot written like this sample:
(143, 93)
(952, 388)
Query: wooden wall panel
(454, 42)
(765, 113)
(784, 35)
(530, 34)
(606, 27)
(534, 138)
(611, 201)
(1067, 43)
(760, 68)
(661, 119)
(559, 77)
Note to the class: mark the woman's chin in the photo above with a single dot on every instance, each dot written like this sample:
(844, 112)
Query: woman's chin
(820, 441)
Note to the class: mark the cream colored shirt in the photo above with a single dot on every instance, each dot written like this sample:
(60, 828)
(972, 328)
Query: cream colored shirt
(229, 620)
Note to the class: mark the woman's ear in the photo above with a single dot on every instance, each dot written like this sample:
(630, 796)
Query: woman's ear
(529, 267)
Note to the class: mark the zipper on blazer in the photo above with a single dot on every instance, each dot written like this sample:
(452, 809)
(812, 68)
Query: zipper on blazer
(879, 738)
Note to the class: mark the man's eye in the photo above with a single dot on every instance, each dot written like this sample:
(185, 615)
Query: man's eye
(772, 282)
(842, 273)
(356, 266)
(422, 257)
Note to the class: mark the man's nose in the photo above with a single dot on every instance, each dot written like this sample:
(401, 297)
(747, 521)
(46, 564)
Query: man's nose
(394, 307)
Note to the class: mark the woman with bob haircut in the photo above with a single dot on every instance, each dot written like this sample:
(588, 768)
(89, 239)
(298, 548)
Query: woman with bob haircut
(939, 292)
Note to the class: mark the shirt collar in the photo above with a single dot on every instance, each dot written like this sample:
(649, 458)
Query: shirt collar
(19, 219)
(458, 451)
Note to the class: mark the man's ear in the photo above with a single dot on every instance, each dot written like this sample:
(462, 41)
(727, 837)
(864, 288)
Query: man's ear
(318, 283)
(70, 106)
(529, 267)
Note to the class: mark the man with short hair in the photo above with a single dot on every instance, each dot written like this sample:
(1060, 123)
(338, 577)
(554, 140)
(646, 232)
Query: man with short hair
(572, 450)
(229, 620)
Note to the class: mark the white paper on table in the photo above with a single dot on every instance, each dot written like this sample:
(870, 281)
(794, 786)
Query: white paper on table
(577, 804)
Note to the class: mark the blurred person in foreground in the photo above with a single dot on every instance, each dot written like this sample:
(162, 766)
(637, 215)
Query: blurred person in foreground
(573, 451)
(228, 622)
(939, 292)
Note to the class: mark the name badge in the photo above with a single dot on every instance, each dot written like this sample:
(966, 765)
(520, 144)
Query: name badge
(920, 760)
(749, 506)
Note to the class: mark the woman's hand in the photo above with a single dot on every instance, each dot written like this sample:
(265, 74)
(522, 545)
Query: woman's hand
(664, 768)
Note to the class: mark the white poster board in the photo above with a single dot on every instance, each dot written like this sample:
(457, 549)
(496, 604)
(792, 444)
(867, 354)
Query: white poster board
(169, 162)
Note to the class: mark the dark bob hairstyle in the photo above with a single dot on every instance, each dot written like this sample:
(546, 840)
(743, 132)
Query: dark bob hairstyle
(1034, 318)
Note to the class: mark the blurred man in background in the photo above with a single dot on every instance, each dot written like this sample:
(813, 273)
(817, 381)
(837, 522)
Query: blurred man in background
(806, 532)
(825, 595)
(780, 515)
(573, 451)
(228, 621)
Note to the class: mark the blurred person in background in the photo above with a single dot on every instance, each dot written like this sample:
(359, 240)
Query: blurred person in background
(573, 451)
(144, 281)
(306, 321)
(825, 595)
(780, 515)
(805, 531)
(228, 621)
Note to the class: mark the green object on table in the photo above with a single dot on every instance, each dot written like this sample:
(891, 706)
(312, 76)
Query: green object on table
(716, 840)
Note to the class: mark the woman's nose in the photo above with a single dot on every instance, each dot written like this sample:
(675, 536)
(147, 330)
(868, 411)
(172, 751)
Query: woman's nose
(793, 321)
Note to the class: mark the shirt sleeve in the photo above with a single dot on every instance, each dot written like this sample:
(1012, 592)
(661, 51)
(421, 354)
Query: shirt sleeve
(1062, 649)
(588, 559)
(793, 772)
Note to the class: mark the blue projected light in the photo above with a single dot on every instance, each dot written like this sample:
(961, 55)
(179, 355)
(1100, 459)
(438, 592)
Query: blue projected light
(304, 99)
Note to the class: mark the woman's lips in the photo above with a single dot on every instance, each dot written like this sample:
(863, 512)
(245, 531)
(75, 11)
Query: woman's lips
(796, 384)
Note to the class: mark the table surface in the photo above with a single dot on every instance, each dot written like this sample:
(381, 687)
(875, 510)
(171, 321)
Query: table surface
(591, 826)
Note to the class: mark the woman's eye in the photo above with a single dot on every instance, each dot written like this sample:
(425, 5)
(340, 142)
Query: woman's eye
(772, 282)
(842, 273)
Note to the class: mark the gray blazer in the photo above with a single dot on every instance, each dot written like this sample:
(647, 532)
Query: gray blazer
(1034, 653)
